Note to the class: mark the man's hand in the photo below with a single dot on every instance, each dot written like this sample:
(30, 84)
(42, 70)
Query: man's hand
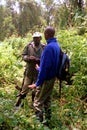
(27, 58)
(32, 57)
(37, 67)
(33, 86)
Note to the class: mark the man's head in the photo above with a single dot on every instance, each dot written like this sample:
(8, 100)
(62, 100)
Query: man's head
(49, 32)
(36, 38)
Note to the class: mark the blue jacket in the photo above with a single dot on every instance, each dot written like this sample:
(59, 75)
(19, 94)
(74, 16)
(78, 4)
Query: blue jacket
(49, 61)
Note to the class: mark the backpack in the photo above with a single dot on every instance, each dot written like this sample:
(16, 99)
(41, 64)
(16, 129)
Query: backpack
(63, 71)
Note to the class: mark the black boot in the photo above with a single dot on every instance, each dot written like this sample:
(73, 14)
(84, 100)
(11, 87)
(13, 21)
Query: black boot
(19, 100)
(47, 116)
(33, 96)
(39, 116)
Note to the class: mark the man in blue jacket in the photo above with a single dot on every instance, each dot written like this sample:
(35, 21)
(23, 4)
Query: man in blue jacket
(49, 62)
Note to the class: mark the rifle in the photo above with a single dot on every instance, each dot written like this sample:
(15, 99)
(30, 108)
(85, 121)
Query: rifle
(68, 81)
(20, 88)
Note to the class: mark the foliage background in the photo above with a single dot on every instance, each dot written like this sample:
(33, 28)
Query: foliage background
(69, 112)
(18, 20)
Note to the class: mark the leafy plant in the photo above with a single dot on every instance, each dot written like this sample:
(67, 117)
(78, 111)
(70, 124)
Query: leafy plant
(69, 112)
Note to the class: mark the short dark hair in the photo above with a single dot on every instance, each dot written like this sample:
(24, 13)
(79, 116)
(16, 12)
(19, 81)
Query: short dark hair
(50, 31)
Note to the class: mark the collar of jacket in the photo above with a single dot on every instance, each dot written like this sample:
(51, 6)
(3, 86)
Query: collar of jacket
(36, 47)
(51, 40)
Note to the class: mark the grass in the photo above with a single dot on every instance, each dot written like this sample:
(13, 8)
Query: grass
(68, 113)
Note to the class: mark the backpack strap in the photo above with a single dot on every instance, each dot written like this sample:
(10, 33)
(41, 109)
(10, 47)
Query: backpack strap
(60, 87)
(64, 58)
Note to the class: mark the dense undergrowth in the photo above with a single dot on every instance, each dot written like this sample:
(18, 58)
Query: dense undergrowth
(69, 112)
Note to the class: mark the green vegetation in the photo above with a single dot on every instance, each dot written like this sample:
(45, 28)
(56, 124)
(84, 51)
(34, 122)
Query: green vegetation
(69, 112)
(18, 20)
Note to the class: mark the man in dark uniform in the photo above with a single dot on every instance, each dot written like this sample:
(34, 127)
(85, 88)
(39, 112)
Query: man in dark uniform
(31, 55)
